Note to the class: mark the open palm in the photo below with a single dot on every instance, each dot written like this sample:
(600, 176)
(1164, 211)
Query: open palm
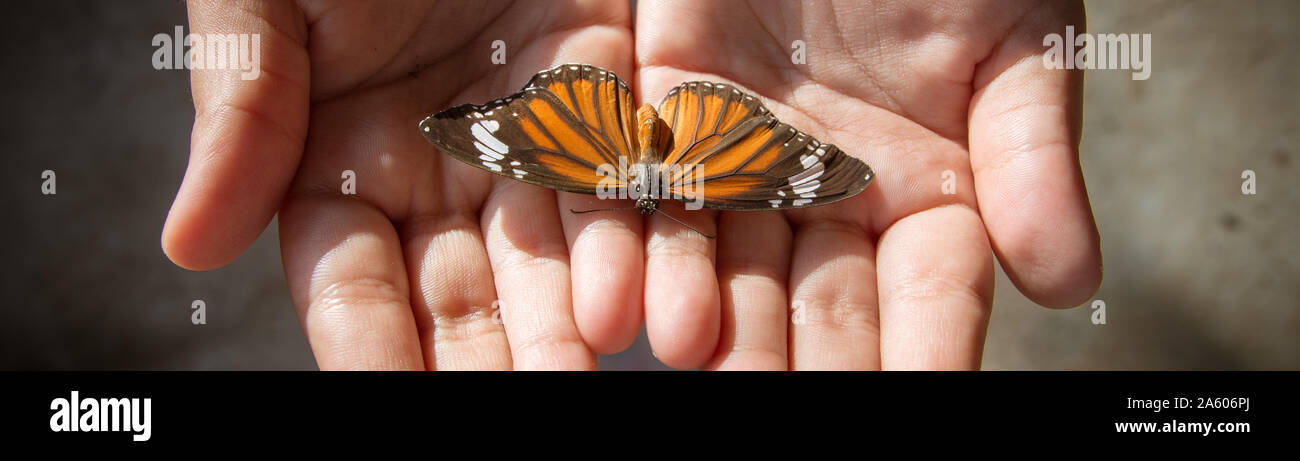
(408, 272)
(966, 130)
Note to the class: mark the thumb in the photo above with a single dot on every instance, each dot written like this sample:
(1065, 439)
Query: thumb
(1025, 120)
(249, 128)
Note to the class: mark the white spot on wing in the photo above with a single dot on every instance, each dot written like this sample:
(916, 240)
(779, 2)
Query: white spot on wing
(807, 187)
(807, 175)
(775, 203)
(492, 166)
(802, 202)
(808, 161)
(483, 133)
(488, 154)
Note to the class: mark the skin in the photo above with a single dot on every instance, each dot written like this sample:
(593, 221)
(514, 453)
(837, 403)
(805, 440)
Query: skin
(901, 276)
(403, 275)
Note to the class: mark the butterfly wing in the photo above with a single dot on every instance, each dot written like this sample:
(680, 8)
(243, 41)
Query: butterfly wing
(730, 151)
(566, 130)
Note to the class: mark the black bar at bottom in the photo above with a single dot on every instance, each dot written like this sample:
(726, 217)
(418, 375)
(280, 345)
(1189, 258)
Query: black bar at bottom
(233, 409)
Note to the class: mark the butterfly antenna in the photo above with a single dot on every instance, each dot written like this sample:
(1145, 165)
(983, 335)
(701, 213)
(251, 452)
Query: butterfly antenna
(571, 210)
(678, 221)
(688, 226)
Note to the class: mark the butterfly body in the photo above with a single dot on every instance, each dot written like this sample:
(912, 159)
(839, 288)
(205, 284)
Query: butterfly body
(644, 176)
(709, 145)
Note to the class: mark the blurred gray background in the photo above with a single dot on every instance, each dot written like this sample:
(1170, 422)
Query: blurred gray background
(1198, 276)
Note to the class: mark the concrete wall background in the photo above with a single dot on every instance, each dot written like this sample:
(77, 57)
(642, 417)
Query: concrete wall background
(1198, 276)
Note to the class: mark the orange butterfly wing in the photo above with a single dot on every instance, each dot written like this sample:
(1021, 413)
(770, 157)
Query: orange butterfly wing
(566, 129)
(730, 151)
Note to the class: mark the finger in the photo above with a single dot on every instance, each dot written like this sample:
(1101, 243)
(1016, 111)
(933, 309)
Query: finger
(455, 306)
(345, 272)
(608, 268)
(834, 319)
(247, 138)
(530, 263)
(935, 275)
(1025, 123)
(682, 303)
(753, 268)
(606, 249)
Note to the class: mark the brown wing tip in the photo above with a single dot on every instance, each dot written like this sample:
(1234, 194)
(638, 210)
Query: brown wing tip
(426, 127)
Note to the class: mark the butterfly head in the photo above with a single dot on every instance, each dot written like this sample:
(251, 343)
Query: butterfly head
(647, 204)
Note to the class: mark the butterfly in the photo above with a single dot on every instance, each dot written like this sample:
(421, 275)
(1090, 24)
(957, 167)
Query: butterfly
(709, 145)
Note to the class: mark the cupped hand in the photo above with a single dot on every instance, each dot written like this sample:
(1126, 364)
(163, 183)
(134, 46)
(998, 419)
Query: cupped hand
(974, 146)
(408, 272)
